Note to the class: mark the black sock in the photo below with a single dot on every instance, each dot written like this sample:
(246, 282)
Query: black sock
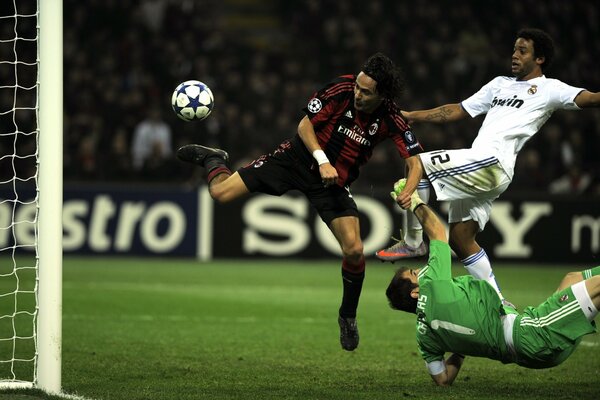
(352, 287)
(213, 162)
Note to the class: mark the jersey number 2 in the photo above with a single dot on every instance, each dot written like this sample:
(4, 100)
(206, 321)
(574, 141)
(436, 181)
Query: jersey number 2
(441, 158)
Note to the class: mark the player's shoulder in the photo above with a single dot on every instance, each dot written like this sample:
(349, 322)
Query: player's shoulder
(392, 109)
(543, 80)
(340, 85)
(346, 78)
(342, 81)
(502, 80)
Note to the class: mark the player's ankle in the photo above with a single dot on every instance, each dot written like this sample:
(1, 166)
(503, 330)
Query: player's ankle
(414, 237)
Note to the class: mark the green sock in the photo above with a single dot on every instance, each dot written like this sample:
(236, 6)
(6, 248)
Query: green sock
(588, 273)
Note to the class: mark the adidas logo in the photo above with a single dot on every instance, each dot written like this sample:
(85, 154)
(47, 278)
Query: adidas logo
(349, 114)
(442, 186)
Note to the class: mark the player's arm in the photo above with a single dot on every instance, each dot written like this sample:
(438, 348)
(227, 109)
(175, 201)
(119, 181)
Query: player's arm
(450, 371)
(414, 174)
(307, 134)
(432, 225)
(587, 99)
(440, 115)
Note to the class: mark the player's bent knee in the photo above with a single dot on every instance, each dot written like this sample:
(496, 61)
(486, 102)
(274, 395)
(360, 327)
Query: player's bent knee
(353, 253)
(593, 287)
(218, 194)
(573, 277)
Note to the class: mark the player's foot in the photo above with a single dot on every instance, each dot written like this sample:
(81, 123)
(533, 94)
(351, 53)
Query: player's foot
(400, 251)
(348, 333)
(197, 154)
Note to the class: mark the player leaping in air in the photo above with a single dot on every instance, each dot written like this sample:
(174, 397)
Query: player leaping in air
(465, 316)
(344, 121)
(471, 179)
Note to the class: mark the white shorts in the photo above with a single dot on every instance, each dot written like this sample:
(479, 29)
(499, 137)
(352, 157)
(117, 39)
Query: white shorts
(469, 179)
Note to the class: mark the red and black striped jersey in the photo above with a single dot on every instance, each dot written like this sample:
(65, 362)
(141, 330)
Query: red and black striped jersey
(348, 136)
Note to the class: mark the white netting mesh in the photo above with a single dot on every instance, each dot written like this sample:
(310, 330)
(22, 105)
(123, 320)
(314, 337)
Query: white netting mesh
(18, 189)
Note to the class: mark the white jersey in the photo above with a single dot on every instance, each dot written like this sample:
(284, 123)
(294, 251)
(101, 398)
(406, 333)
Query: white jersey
(516, 110)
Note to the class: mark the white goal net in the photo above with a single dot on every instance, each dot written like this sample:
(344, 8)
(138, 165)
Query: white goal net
(26, 268)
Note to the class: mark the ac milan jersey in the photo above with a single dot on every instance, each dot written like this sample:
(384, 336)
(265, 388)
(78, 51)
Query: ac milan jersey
(348, 136)
(516, 110)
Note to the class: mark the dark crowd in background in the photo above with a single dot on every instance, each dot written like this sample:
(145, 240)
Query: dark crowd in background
(263, 59)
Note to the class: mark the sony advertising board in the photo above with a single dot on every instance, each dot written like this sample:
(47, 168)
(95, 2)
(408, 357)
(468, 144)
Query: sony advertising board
(175, 221)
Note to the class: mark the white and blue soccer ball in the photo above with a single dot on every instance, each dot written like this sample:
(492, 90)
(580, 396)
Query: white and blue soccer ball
(192, 101)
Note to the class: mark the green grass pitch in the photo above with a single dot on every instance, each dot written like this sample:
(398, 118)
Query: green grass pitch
(183, 329)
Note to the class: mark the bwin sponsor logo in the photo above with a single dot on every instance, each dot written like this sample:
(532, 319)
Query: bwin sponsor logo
(512, 102)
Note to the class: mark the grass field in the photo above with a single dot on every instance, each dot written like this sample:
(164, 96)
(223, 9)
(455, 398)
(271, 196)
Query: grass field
(179, 329)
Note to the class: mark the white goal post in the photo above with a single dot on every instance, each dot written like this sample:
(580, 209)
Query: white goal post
(49, 326)
(37, 219)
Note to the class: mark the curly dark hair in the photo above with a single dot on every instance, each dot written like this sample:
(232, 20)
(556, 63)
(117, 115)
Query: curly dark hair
(398, 293)
(543, 46)
(388, 76)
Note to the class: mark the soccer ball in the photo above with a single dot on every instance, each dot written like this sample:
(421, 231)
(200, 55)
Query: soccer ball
(192, 101)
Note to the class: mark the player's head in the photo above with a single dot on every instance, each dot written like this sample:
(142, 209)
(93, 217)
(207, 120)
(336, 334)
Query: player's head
(403, 290)
(379, 79)
(533, 49)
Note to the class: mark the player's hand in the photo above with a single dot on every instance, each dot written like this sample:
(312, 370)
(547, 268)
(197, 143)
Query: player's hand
(407, 200)
(329, 174)
(404, 199)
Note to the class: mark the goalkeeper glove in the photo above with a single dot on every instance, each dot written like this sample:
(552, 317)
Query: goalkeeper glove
(415, 200)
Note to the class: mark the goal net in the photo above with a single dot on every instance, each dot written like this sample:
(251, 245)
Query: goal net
(30, 193)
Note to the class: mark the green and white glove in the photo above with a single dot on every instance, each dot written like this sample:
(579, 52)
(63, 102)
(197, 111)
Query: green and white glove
(415, 200)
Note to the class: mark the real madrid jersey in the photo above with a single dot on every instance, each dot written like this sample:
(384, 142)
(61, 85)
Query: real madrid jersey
(516, 110)
(460, 315)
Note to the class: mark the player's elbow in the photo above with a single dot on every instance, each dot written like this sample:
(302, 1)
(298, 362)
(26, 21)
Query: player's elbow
(303, 125)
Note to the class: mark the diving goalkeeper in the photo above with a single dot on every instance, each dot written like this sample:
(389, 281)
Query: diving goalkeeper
(466, 317)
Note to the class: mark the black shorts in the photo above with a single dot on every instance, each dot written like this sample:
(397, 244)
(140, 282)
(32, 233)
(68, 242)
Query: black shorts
(284, 170)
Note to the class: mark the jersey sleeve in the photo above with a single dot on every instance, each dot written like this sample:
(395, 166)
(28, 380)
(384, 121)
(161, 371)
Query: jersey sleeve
(326, 101)
(430, 350)
(439, 264)
(562, 95)
(405, 140)
(480, 102)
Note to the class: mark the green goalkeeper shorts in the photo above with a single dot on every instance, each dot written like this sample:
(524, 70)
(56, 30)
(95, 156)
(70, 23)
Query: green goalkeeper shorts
(546, 335)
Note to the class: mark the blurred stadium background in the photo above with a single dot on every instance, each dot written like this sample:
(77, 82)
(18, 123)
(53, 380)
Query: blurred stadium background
(263, 59)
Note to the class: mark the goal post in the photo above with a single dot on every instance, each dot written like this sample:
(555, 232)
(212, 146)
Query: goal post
(50, 189)
(31, 187)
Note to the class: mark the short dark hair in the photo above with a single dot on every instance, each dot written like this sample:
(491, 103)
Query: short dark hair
(543, 46)
(398, 293)
(387, 75)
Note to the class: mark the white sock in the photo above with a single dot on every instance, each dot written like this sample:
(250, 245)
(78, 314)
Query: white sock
(479, 267)
(413, 230)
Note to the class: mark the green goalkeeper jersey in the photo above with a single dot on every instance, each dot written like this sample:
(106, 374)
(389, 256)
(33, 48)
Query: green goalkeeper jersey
(460, 315)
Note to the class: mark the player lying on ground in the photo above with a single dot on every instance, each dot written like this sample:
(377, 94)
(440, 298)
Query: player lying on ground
(344, 121)
(466, 317)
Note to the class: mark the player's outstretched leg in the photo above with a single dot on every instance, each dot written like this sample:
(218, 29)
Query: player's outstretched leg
(201, 155)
